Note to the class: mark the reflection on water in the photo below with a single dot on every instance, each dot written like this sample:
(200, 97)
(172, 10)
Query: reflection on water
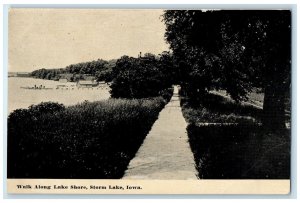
(20, 94)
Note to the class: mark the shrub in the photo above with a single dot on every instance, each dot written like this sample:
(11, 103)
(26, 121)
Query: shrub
(88, 140)
(243, 151)
(46, 107)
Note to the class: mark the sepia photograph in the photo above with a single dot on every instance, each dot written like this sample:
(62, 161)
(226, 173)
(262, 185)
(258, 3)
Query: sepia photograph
(148, 94)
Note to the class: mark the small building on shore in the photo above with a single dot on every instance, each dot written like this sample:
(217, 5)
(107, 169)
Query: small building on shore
(86, 83)
(63, 80)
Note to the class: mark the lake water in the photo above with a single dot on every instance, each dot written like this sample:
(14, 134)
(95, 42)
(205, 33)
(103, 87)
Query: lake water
(22, 98)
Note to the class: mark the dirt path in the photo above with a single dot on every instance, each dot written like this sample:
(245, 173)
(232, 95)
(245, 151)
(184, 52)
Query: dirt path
(165, 153)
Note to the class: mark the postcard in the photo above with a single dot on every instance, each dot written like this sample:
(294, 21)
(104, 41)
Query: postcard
(149, 101)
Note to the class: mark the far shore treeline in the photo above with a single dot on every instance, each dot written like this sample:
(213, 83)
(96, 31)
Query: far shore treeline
(100, 69)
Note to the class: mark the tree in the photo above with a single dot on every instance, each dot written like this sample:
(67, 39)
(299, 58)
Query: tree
(269, 44)
(235, 51)
(137, 77)
(168, 67)
(207, 52)
(106, 74)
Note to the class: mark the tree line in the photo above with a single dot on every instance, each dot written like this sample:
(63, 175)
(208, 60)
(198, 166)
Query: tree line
(100, 69)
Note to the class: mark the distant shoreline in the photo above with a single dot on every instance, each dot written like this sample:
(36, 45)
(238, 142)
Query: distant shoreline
(67, 93)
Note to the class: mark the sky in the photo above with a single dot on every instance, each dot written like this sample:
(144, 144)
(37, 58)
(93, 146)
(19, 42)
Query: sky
(55, 38)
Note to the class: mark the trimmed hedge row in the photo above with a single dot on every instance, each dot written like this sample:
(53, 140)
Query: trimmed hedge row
(242, 151)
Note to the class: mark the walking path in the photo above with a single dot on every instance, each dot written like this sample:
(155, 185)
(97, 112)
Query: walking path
(165, 153)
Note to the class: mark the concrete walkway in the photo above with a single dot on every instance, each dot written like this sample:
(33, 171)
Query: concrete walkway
(165, 153)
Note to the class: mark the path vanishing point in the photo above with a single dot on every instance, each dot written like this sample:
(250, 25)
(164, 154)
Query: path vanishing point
(165, 153)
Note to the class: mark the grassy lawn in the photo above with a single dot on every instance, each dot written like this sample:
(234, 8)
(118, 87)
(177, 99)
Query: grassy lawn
(254, 97)
(217, 109)
(242, 149)
(88, 140)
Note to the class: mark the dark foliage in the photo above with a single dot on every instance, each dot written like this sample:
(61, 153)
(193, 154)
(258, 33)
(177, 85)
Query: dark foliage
(141, 77)
(229, 142)
(88, 140)
(234, 51)
(240, 152)
(99, 69)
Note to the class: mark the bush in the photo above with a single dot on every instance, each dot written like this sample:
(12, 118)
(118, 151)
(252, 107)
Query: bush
(242, 151)
(88, 140)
